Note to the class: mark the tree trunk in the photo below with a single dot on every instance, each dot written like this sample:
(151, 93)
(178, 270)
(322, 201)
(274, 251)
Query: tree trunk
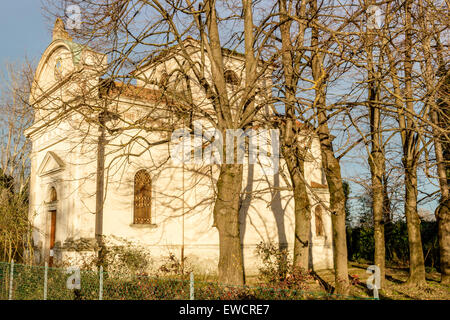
(337, 205)
(443, 220)
(226, 219)
(376, 157)
(377, 172)
(330, 165)
(302, 210)
(442, 151)
(376, 169)
(293, 152)
(411, 147)
(99, 195)
(443, 210)
(332, 170)
(416, 259)
(302, 227)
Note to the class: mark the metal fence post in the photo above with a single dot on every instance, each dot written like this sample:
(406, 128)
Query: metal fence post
(11, 277)
(192, 286)
(45, 280)
(100, 291)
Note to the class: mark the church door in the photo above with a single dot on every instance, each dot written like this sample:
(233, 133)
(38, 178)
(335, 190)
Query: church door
(52, 236)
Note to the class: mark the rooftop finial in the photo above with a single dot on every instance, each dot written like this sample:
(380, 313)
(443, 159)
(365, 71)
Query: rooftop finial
(59, 31)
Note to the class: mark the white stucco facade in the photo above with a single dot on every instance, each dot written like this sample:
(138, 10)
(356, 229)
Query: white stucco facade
(64, 157)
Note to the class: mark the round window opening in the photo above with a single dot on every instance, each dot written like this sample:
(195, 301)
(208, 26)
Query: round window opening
(232, 78)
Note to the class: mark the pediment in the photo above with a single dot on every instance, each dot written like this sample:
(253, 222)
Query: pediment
(51, 164)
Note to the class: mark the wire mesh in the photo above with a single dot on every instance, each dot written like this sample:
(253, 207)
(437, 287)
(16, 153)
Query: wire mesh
(29, 284)
(144, 288)
(4, 279)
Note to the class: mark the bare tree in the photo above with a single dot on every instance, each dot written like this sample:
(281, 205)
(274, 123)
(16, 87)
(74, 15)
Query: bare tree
(15, 116)
(412, 106)
(294, 148)
(431, 25)
(200, 70)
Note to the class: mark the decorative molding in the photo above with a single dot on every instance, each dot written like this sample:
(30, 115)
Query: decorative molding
(59, 31)
(57, 166)
(143, 225)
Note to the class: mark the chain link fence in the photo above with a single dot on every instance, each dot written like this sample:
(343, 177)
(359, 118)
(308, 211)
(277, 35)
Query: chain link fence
(24, 282)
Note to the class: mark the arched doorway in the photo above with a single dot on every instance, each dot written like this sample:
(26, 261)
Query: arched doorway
(53, 198)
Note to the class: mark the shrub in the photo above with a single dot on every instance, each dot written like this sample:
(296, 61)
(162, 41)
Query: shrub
(172, 266)
(120, 256)
(278, 269)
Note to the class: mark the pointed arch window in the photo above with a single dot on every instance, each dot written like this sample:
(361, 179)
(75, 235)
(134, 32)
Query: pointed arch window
(142, 197)
(320, 232)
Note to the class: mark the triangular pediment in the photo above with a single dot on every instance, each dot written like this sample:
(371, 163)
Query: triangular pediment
(51, 164)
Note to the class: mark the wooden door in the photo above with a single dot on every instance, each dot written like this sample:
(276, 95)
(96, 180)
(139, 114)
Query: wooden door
(52, 235)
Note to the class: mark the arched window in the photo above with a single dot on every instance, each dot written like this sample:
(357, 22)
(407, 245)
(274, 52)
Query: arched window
(232, 78)
(319, 221)
(53, 196)
(142, 197)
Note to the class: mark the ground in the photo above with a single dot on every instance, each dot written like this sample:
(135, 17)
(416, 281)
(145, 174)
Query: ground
(395, 288)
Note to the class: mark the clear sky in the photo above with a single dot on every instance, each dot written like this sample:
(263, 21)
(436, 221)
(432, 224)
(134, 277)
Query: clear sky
(24, 31)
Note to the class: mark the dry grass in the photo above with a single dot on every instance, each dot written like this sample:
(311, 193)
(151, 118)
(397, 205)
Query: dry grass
(396, 288)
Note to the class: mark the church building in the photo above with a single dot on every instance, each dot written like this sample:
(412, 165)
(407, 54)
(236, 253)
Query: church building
(102, 146)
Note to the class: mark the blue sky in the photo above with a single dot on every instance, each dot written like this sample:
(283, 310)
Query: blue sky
(24, 31)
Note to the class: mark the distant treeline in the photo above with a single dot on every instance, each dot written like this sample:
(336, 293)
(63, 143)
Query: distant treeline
(360, 243)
